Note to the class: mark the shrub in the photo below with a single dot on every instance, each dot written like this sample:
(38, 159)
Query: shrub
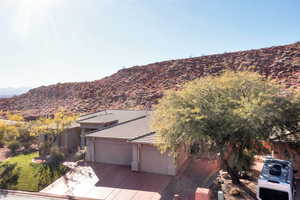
(9, 174)
(26, 140)
(48, 173)
(43, 149)
(13, 147)
(79, 155)
(56, 156)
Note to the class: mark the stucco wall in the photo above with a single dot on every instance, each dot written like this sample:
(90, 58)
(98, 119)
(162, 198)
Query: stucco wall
(74, 138)
(69, 141)
(141, 157)
(182, 156)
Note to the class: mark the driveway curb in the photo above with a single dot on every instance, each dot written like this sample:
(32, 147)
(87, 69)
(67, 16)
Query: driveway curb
(42, 194)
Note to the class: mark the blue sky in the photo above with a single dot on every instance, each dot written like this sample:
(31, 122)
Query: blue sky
(44, 42)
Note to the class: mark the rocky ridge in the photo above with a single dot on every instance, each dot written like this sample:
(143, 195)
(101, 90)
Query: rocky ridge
(141, 86)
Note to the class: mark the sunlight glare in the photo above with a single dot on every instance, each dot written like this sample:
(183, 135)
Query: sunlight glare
(31, 13)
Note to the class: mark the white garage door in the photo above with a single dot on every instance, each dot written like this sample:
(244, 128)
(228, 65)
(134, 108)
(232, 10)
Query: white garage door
(113, 152)
(154, 162)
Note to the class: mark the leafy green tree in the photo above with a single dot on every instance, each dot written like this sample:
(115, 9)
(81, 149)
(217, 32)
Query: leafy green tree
(51, 128)
(231, 113)
(16, 133)
(8, 133)
(14, 117)
(2, 131)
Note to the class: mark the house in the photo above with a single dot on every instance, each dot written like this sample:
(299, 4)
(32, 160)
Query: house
(70, 140)
(285, 147)
(124, 137)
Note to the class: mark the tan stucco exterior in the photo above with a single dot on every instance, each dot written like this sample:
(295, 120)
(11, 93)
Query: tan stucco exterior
(124, 137)
(70, 140)
(141, 157)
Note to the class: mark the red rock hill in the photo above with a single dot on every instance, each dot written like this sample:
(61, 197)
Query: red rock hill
(141, 86)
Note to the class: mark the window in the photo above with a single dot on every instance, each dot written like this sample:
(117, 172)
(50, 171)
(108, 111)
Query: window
(269, 194)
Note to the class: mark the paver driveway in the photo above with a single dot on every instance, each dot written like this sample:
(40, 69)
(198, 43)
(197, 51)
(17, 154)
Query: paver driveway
(109, 182)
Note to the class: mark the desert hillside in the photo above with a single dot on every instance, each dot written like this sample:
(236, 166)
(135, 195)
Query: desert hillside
(142, 86)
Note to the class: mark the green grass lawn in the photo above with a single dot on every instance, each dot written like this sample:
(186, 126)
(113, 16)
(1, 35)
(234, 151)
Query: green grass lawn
(30, 175)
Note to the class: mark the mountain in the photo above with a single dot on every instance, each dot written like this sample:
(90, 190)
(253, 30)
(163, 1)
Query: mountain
(10, 92)
(142, 86)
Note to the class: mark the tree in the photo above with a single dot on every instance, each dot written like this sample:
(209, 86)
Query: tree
(14, 117)
(231, 113)
(25, 138)
(51, 128)
(16, 134)
(8, 133)
(2, 131)
(9, 129)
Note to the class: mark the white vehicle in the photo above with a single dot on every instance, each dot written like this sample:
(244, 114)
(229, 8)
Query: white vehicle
(276, 181)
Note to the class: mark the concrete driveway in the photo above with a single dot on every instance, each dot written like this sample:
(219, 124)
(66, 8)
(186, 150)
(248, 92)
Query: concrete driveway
(109, 182)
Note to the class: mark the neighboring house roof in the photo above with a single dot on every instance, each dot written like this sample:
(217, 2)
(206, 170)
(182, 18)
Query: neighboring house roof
(107, 116)
(129, 130)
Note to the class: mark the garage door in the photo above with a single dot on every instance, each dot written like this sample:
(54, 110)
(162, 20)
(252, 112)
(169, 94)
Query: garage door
(152, 161)
(113, 152)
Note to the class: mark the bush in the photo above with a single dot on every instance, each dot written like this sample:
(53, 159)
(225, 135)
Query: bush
(9, 174)
(79, 155)
(43, 149)
(13, 147)
(56, 156)
(47, 173)
(26, 140)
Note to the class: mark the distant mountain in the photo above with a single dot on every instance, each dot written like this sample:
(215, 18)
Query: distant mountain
(10, 92)
(142, 86)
